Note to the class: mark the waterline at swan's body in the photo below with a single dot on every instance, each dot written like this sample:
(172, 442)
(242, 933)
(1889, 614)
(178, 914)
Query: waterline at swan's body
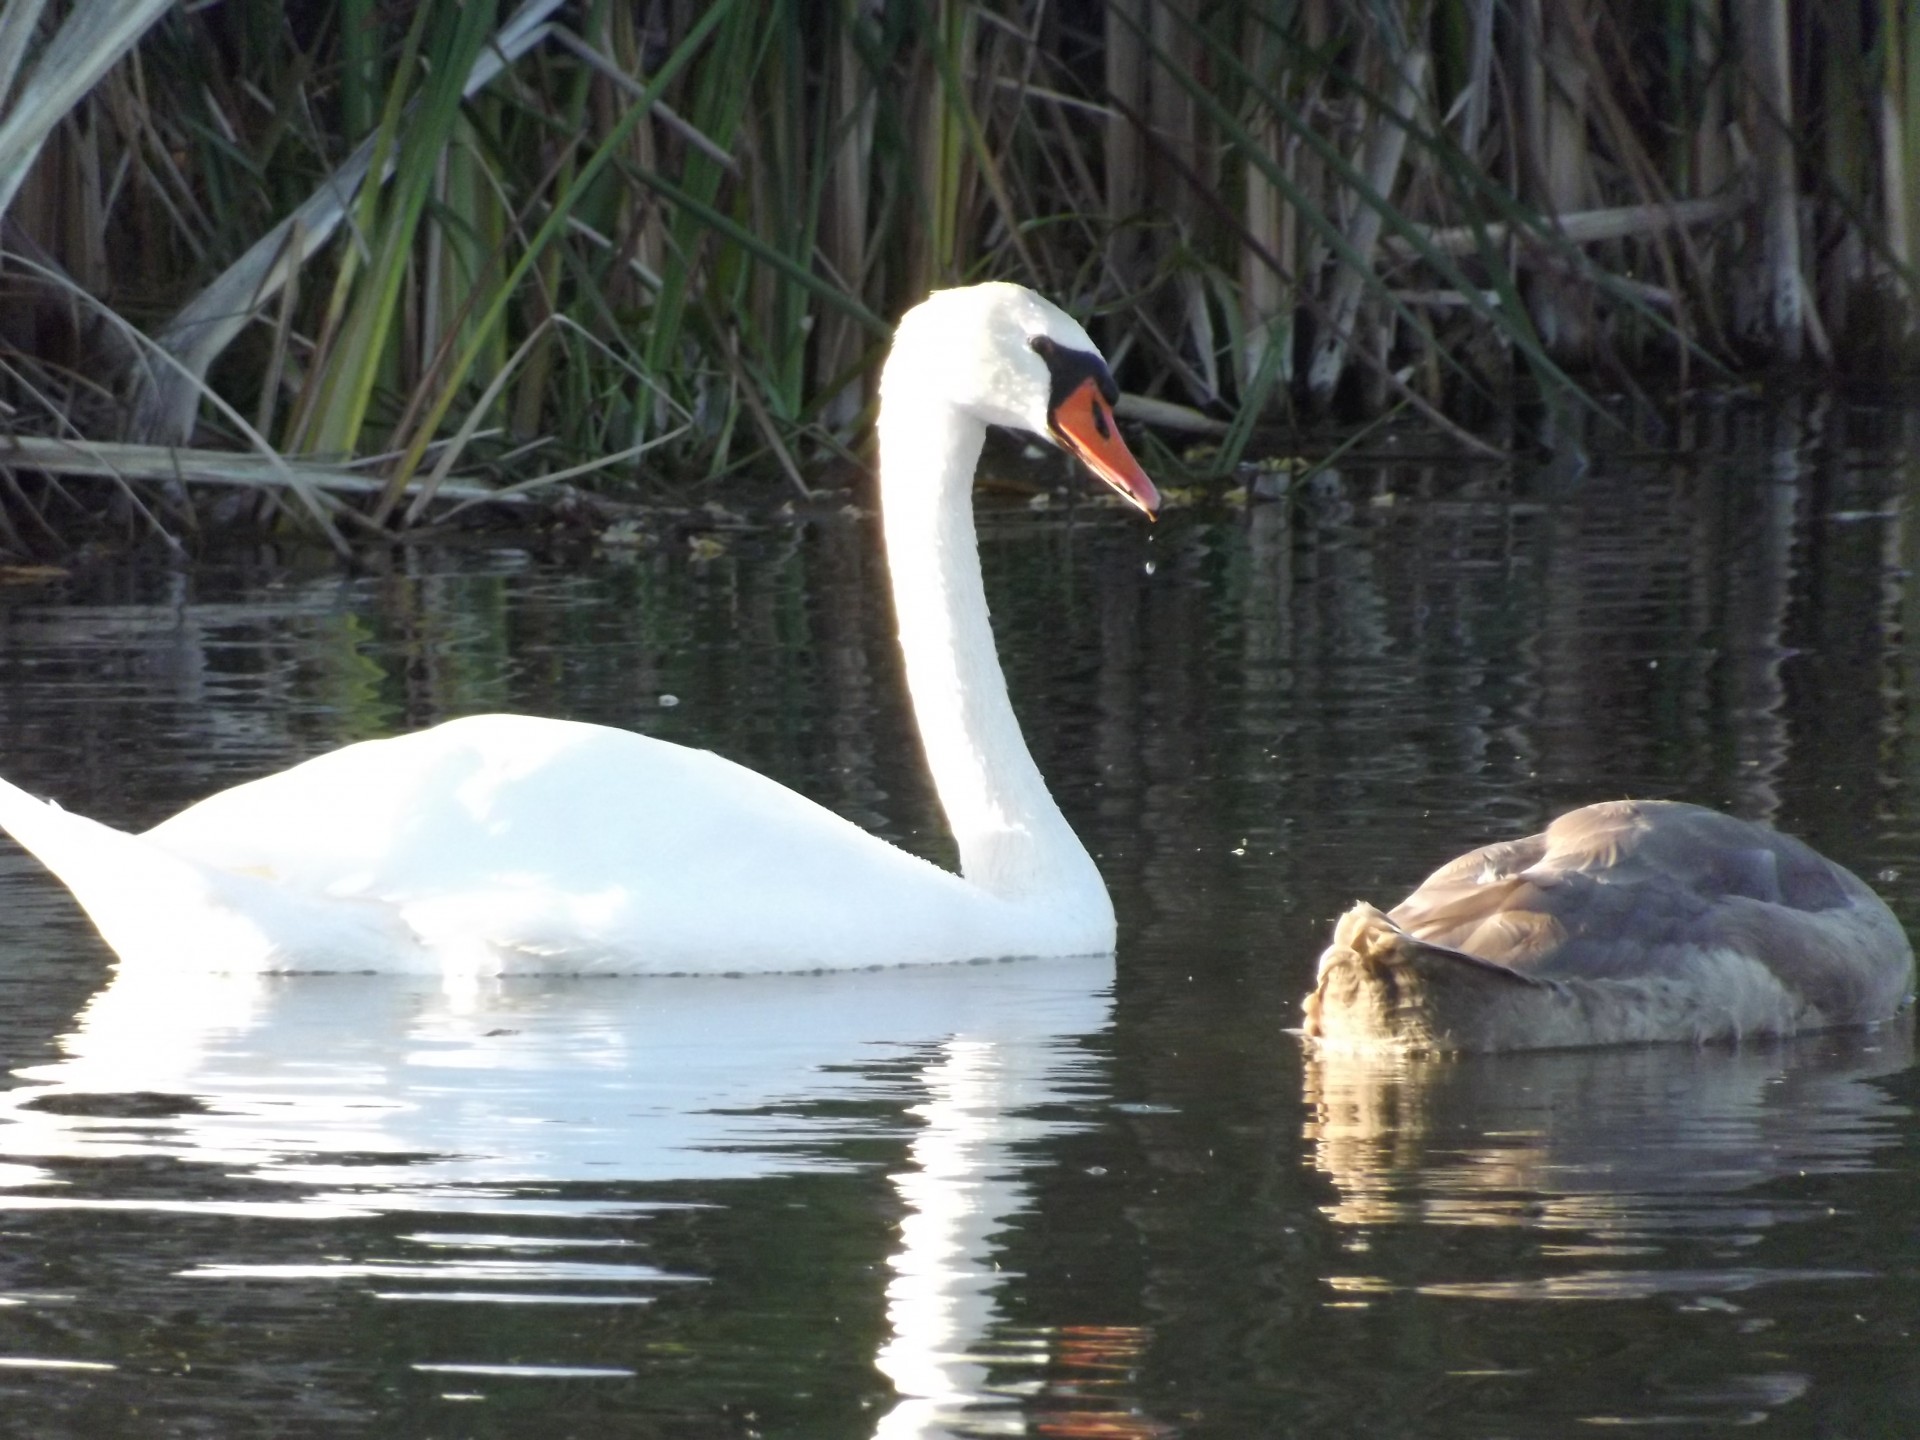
(504, 843)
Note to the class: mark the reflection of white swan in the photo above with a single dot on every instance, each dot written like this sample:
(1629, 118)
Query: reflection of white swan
(362, 1094)
(506, 843)
(1625, 922)
(397, 1085)
(957, 1363)
(962, 1185)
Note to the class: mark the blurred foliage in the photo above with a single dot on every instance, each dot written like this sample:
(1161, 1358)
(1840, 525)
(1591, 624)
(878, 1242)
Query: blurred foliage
(450, 235)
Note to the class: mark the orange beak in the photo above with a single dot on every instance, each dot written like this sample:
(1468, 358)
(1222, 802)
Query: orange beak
(1083, 423)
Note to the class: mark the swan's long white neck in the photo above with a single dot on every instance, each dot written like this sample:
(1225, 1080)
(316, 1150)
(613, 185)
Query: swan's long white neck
(1013, 840)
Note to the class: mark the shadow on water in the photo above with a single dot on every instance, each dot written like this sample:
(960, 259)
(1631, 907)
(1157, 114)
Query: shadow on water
(1112, 1199)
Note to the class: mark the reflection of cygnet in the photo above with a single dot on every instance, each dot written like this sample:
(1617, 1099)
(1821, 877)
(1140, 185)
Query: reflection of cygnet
(1616, 1145)
(1623, 922)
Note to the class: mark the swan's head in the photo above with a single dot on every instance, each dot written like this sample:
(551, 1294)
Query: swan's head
(1008, 357)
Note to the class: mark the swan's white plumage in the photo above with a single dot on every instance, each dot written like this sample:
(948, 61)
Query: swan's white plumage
(505, 843)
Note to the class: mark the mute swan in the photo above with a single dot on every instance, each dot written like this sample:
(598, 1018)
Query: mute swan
(501, 843)
(1629, 921)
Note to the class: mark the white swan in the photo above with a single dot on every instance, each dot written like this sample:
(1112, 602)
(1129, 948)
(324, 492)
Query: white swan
(503, 843)
(1625, 922)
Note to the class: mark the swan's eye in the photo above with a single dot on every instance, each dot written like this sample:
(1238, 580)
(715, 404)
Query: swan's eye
(1043, 346)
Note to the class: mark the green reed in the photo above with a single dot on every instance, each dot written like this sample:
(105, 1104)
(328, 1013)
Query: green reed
(460, 238)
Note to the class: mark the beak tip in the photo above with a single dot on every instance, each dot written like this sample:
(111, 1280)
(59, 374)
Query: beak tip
(1085, 430)
(1144, 495)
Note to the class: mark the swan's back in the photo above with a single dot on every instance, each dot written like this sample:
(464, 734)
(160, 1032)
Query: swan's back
(1632, 920)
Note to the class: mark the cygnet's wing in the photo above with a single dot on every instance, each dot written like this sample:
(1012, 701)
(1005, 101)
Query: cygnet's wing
(1627, 888)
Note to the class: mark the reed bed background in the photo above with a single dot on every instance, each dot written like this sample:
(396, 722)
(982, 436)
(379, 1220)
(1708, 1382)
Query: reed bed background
(369, 264)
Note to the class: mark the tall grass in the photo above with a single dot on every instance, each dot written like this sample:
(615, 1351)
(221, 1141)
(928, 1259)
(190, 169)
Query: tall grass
(448, 238)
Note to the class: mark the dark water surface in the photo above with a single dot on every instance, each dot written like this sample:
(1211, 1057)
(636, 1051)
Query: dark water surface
(1083, 1198)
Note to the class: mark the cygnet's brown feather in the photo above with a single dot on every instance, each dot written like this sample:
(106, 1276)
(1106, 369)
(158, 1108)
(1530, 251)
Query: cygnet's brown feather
(1638, 921)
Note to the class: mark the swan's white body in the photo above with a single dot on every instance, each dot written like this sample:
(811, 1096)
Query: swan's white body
(1621, 923)
(503, 843)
